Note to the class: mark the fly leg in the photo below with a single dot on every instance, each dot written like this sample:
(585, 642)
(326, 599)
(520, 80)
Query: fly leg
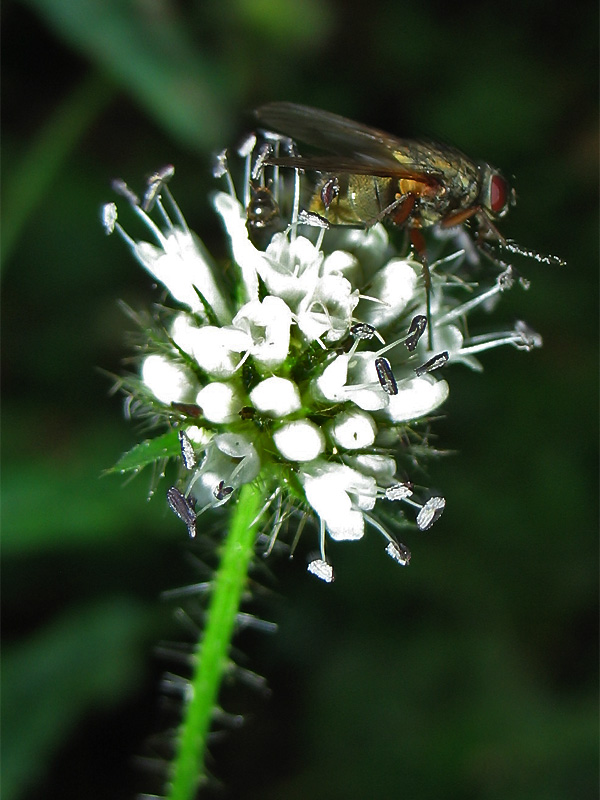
(485, 233)
(418, 242)
(399, 210)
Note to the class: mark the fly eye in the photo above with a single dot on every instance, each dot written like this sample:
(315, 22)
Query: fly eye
(498, 194)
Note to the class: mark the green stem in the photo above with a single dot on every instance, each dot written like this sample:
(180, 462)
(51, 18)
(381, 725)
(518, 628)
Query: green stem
(212, 655)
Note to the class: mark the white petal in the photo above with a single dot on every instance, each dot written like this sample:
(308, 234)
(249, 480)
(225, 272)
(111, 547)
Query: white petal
(353, 430)
(268, 324)
(396, 285)
(219, 402)
(327, 310)
(231, 458)
(330, 384)
(290, 270)
(326, 493)
(382, 468)
(180, 266)
(339, 494)
(216, 350)
(362, 386)
(276, 397)
(341, 262)
(235, 445)
(245, 255)
(450, 338)
(416, 398)
(346, 527)
(168, 382)
(300, 440)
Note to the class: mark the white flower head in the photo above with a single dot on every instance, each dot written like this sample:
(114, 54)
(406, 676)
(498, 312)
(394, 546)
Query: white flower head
(318, 374)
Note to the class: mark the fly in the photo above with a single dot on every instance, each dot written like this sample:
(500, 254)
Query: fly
(369, 176)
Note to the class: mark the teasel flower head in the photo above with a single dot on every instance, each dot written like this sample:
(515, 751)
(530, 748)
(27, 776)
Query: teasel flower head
(314, 367)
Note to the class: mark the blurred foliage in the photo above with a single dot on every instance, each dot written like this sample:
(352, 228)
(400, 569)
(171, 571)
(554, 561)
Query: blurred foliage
(473, 673)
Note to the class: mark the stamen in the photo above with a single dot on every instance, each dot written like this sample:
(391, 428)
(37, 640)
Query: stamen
(312, 219)
(529, 338)
(245, 151)
(322, 538)
(362, 330)
(156, 182)
(183, 591)
(188, 456)
(446, 260)
(386, 376)
(152, 227)
(179, 218)
(266, 506)
(183, 507)
(259, 165)
(221, 169)
(399, 552)
(245, 620)
(120, 187)
(434, 363)
(247, 146)
(295, 204)
(399, 491)
(109, 217)
(504, 281)
(189, 409)
(222, 492)
(522, 337)
(431, 511)
(416, 330)
(321, 569)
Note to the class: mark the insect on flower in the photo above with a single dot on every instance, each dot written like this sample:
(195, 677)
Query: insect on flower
(369, 176)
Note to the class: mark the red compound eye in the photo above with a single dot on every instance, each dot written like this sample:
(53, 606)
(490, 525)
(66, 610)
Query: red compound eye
(498, 194)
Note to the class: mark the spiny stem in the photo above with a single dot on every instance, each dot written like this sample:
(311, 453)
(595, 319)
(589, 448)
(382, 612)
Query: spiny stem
(212, 653)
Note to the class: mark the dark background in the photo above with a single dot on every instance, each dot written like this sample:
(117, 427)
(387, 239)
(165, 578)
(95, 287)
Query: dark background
(473, 673)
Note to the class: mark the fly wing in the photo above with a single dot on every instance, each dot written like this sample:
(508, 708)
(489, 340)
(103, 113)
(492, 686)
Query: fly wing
(354, 144)
(334, 165)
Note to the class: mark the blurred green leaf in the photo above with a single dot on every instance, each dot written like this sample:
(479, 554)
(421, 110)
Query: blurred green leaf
(31, 178)
(148, 452)
(147, 49)
(86, 660)
(285, 24)
(52, 502)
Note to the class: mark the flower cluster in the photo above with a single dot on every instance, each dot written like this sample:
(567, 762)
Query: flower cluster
(316, 373)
